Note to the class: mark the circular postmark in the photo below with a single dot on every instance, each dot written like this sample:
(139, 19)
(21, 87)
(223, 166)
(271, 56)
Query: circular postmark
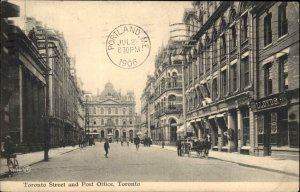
(128, 46)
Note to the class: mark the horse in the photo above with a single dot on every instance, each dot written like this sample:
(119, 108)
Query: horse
(202, 147)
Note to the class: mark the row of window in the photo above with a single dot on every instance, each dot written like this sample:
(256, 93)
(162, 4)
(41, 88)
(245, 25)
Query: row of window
(110, 110)
(282, 76)
(282, 24)
(116, 122)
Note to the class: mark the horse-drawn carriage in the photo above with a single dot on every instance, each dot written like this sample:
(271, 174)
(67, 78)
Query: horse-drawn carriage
(199, 147)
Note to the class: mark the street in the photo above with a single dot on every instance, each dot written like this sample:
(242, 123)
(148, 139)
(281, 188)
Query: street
(148, 164)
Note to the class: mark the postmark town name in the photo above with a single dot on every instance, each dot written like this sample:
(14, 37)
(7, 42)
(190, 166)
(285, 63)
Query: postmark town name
(128, 46)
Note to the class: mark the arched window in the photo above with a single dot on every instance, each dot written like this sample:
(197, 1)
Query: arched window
(124, 111)
(163, 83)
(117, 121)
(215, 47)
(174, 79)
(223, 46)
(207, 53)
(244, 22)
(201, 67)
(171, 101)
(102, 121)
(109, 110)
(130, 121)
(195, 99)
(116, 110)
(223, 39)
(124, 121)
(232, 37)
(130, 111)
(102, 110)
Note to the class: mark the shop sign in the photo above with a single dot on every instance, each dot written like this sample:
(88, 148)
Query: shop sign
(269, 102)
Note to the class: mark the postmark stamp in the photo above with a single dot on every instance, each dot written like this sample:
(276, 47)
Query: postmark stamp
(128, 46)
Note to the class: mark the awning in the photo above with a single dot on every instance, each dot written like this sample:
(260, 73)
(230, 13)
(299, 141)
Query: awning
(220, 115)
(211, 117)
(198, 120)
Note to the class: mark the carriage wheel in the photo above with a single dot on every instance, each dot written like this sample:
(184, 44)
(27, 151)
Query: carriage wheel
(16, 164)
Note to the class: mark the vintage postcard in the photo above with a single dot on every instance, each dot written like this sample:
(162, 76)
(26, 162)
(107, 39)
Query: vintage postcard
(149, 95)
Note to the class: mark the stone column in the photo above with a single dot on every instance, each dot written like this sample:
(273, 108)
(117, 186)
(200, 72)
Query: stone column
(220, 136)
(21, 102)
(252, 132)
(240, 129)
(231, 125)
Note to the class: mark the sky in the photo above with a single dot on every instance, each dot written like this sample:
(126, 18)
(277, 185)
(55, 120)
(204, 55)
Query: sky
(86, 26)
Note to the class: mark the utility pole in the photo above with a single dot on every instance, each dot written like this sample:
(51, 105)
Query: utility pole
(46, 118)
(85, 121)
(148, 114)
(183, 94)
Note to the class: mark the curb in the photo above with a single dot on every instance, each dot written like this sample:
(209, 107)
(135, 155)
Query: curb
(247, 165)
(5, 174)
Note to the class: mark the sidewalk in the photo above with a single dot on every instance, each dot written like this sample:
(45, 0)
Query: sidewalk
(34, 157)
(268, 163)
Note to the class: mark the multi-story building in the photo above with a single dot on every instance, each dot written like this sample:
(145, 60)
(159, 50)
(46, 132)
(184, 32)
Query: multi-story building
(24, 117)
(168, 92)
(7, 87)
(219, 78)
(62, 90)
(242, 74)
(276, 104)
(110, 113)
(146, 105)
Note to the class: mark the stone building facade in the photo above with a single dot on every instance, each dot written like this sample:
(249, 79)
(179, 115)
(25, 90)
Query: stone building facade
(147, 107)
(276, 104)
(111, 114)
(25, 109)
(168, 92)
(241, 76)
(62, 92)
(219, 75)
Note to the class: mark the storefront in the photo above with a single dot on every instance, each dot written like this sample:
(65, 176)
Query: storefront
(277, 125)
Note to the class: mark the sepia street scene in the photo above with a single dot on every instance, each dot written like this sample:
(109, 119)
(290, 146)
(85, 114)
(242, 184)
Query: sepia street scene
(149, 95)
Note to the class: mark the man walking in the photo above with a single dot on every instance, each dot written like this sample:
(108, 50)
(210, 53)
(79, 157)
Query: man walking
(137, 142)
(178, 143)
(106, 147)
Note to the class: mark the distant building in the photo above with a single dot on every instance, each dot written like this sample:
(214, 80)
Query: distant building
(147, 107)
(168, 92)
(110, 113)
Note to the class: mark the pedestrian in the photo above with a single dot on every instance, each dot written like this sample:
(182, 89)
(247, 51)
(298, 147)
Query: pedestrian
(207, 145)
(178, 144)
(137, 142)
(9, 147)
(127, 140)
(163, 144)
(122, 140)
(117, 141)
(106, 147)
